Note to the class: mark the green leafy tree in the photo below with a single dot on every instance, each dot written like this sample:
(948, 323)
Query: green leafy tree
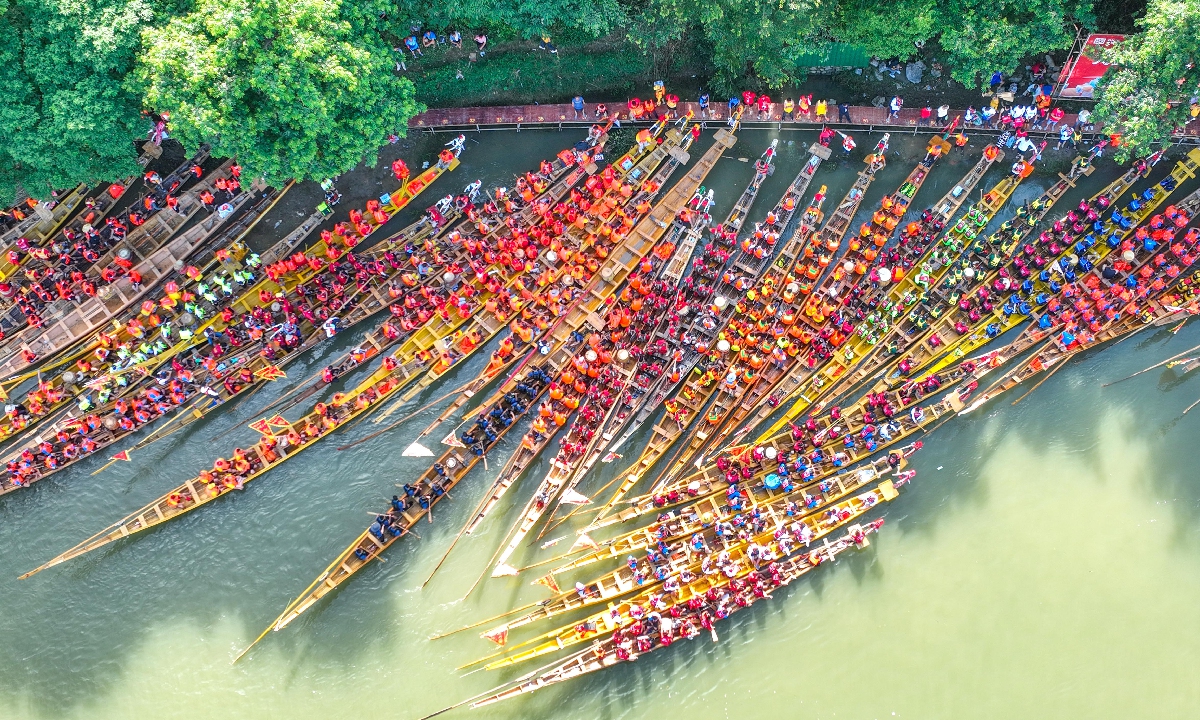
(527, 18)
(762, 40)
(66, 118)
(1152, 77)
(982, 36)
(885, 28)
(299, 89)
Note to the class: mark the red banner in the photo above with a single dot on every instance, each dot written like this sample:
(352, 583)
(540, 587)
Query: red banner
(1082, 73)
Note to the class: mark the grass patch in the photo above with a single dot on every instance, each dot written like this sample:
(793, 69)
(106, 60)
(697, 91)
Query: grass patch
(525, 77)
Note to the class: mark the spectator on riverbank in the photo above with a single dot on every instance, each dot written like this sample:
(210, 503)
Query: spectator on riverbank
(546, 45)
(926, 115)
(943, 115)
(764, 107)
(429, 39)
(456, 39)
(1066, 135)
(988, 115)
(481, 43)
(1083, 118)
(822, 111)
(577, 106)
(805, 105)
(413, 46)
(789, 108)
(601, 110)
(894, 108)
(703, 101)
(844, 112)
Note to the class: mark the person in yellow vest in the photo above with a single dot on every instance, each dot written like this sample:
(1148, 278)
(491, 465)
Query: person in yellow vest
(789, 107)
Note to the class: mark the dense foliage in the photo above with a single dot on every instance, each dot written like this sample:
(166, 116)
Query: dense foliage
(1152, 80)
(66, 116)
(310, 88)
(292, 88)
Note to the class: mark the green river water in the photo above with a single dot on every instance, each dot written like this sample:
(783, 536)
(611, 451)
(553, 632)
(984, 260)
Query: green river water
(1043, 564)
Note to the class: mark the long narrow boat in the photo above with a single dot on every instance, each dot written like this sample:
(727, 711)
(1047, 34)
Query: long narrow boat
(35, 238)
(41, 224)
(759, 461)
(916, 261)
(756, 260)
(535, 442)
(1096, 307)
(685, 408)
(824, 322)
(957, 294)
(709, 571)
(682, 522)
(121, 357)
(155, 248)
(597, 365)
(699, 615)
(616, 268)
(671, 544)
(273, 449)
(1096, 235)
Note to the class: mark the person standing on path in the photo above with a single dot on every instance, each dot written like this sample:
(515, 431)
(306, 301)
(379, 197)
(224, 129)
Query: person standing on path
(704, 99)
(844, 112)
(413, 46)
(822, 111)
(577, 105)
(894, 108)
(926, 114)
(943, 115)
(789, 108)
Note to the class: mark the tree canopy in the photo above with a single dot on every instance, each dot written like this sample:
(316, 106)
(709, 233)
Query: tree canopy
(310, 88)
(295, 89)
(1152, 77)
(67, 118)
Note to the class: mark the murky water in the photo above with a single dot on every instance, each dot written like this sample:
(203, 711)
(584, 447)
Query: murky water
(1044, 563)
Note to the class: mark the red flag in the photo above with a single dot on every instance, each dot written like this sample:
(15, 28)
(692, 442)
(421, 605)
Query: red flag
(278, 421)
(270, 372)
(498, 636)
(262, 426)
(123, 455)
(548, 581)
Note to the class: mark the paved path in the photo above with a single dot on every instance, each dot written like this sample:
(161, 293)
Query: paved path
(500, 116)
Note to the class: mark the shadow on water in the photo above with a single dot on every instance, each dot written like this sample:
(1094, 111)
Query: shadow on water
(72, 633)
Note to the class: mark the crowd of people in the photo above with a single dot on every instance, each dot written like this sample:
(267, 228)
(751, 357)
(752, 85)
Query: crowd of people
(77, 263)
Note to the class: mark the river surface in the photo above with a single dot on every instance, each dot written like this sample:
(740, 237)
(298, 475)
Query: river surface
(1043, 564)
